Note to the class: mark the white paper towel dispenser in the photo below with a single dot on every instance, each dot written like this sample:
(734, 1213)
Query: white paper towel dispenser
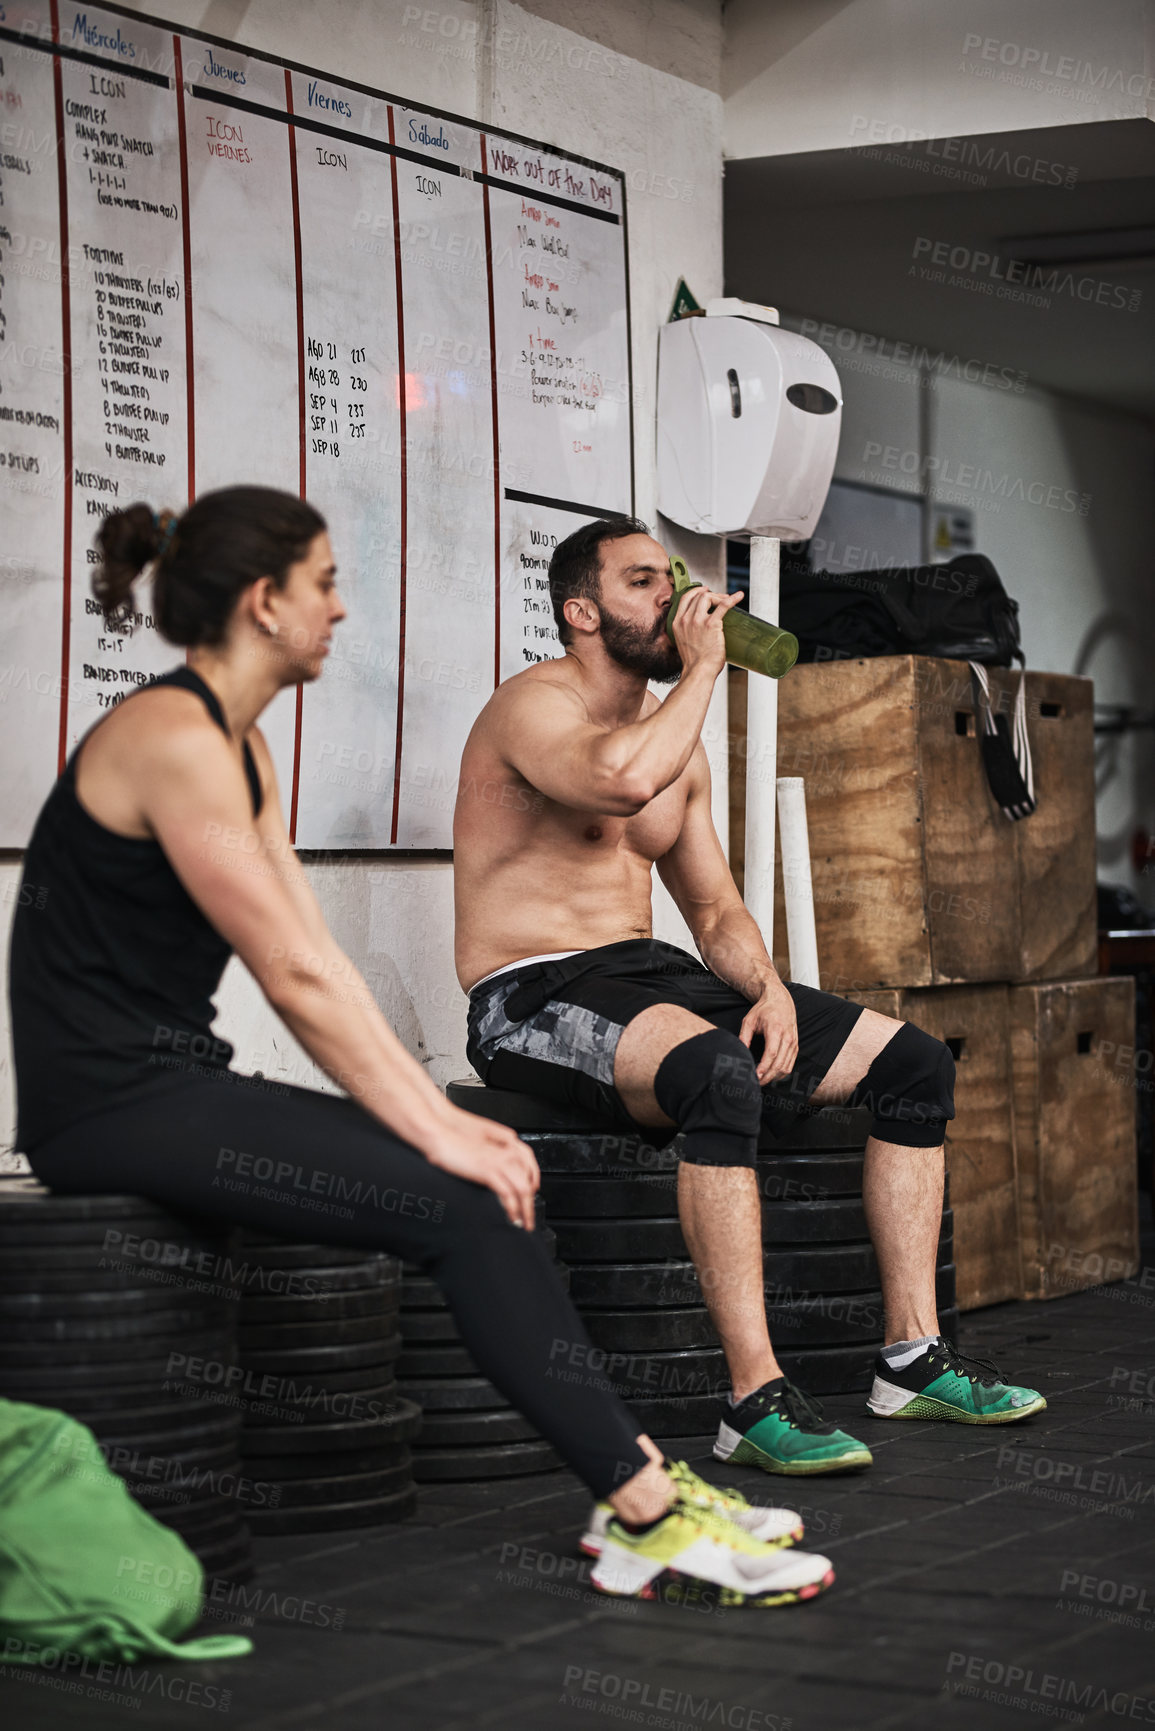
(748, 423)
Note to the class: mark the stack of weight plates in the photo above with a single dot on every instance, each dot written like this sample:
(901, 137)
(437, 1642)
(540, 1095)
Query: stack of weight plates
(326, 1434)
(107, 1303)
(470, 1431)
(611, 1198)
(823, 1299)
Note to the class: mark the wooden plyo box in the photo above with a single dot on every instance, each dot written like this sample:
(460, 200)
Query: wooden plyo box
(980, 1143)
(919, 879)
(1072, 1045)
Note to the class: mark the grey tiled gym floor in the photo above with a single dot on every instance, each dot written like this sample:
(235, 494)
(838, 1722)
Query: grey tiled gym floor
(962, 1555)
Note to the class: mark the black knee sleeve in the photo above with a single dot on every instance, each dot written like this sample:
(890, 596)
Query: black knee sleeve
(709, 1086)
(910, 1089)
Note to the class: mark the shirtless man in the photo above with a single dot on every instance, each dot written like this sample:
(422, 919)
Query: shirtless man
(575, 782)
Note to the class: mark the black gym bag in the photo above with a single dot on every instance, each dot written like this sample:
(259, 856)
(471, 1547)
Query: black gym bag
(958, 610)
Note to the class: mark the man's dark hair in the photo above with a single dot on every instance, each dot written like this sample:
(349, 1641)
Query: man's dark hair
(575, 569)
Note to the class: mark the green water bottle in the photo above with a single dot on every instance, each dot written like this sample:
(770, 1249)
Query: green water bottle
(751, 643)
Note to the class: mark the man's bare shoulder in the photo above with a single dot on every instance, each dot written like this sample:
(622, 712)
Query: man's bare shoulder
(547, 686)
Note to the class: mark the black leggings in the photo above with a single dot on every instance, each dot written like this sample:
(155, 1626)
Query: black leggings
(316, 1168)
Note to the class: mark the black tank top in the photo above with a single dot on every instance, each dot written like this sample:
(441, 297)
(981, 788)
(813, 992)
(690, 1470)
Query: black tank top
(113, 967)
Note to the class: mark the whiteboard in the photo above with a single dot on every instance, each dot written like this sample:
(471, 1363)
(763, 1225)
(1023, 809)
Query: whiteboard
(219, 267)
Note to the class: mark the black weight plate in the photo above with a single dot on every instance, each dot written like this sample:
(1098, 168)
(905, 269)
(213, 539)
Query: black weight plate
(611, 1155)
(443, 1358)
(797, 1319)
(318, 1307)
(647, 1195)
(24, 1200)
(272, 1253)
(100, 1262)
(261, 1281)
(450, 1393)
(70, 1280)
(260, 1246)
(48, 1309)
(153, 1420)
(226, 1529)
(427, 1325)
(826, 1319)
(838, 1219)
(290, 1393)
(619, 1285)
(194, 1516)
(831, 1127)
(324, 1408)
(503, 1460)
(819, 1268)
(276, 1469)
(213, 1432)
(46, 1375)
(296, 1336)
(832, 1267)
(111, 1329)
(336, 1409)
(832, 1369)
(229, 1562)
(74, 1355)
(350, 1488)
(254, 1387)
(661, 1375)
(461, 1429)
(418, 1292)
(334, 1517)
(651, 1330)
(398, 1423)
(807, 1177)
(318, 1359)
(686, 1415)
(169, 1481)
(163, 1394)
(106, 1234)
(619, 1240)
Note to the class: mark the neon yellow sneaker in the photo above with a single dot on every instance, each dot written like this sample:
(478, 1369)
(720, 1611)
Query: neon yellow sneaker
(696, 1555)
(774, 1527)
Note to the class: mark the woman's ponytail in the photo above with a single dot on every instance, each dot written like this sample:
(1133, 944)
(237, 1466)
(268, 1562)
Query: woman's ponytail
(128, 541)
(203, 560)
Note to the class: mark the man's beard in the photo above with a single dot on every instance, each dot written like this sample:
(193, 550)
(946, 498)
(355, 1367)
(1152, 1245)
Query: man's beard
(647, 652)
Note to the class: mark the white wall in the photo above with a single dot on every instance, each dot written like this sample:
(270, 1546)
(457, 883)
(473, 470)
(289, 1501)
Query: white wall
(658, 118)
(803, 75)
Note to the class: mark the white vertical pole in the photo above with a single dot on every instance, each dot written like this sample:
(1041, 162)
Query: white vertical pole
(796, 884)
(761, 747)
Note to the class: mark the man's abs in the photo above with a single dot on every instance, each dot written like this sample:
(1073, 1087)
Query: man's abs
(530, 911)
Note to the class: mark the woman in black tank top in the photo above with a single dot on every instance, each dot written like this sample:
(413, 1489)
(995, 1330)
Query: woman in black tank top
(142, 859)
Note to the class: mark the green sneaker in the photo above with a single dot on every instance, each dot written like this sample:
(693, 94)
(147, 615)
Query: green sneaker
(943, 1383)
(782, 1430)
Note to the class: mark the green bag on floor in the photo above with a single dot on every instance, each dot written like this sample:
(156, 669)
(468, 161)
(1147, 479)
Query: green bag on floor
(83, 1567)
